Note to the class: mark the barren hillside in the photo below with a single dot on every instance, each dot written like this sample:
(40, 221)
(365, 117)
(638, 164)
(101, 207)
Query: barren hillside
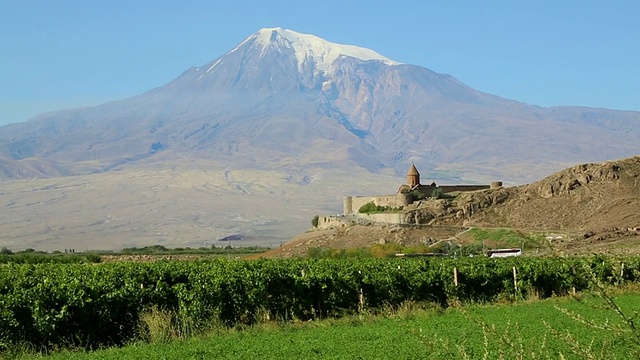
(586, 197)
(595, 206)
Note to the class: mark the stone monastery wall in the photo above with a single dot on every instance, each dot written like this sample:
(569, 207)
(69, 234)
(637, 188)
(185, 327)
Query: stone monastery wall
(330, 222)
(452, 188)
(353, 203)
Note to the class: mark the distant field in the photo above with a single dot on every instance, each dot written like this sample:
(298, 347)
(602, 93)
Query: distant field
(192, 204)
(137, 254)
(529, 330)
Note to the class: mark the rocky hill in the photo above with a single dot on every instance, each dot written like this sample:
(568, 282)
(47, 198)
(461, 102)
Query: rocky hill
(585, 197)
(592, 206)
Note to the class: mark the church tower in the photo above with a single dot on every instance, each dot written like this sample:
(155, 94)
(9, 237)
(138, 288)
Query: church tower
(413, 177)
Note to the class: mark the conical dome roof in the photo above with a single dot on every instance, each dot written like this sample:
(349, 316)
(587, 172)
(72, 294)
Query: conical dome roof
(413, 170)
(413, 177)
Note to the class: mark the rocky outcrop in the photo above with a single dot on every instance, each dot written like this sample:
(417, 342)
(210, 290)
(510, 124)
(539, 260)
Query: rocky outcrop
(565, 182)
(472, 201)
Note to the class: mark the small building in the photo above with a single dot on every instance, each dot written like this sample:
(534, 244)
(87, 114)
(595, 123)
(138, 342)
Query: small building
(500, 253)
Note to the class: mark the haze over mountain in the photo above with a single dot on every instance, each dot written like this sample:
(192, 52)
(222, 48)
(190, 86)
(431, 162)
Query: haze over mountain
(299, 107)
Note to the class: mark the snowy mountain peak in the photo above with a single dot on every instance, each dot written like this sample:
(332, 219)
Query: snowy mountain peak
(312, 48)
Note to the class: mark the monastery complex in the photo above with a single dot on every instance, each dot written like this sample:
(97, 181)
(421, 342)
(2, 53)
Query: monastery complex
(408, 193)
(408, 197)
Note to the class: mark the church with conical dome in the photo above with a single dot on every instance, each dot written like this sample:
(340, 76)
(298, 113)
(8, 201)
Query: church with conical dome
(409, 194)
(414, 186)
(413, 177)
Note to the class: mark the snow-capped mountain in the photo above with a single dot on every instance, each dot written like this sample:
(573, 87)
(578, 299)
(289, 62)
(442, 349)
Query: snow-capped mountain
(309, 50)
(290, 101)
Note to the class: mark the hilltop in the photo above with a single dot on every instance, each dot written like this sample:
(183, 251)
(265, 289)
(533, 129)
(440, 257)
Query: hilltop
(585, 208)
(585, 197)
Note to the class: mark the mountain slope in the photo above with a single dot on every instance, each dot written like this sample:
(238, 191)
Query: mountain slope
(281, 94)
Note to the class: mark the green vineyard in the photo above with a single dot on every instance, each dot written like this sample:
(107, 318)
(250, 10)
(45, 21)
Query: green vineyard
(95, 305)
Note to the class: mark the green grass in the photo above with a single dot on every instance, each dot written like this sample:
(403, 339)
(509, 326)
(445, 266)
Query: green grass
(507, 238)
(553, 328)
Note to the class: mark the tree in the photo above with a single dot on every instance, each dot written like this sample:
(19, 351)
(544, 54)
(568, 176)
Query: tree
(369, 208)
(437, 193)
(416, 195)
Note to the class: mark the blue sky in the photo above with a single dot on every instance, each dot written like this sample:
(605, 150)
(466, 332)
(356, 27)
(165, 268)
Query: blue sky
(69, 53)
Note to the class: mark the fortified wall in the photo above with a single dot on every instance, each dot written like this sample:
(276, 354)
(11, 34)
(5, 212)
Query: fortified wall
(453, 188)
(331, 222)
(351, 204)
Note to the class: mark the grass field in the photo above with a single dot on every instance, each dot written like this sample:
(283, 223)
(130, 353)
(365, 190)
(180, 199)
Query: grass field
(507, 238)
(569, 328)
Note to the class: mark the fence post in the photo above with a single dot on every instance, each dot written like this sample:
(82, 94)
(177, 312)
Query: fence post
(515, 280)
(455, 276)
